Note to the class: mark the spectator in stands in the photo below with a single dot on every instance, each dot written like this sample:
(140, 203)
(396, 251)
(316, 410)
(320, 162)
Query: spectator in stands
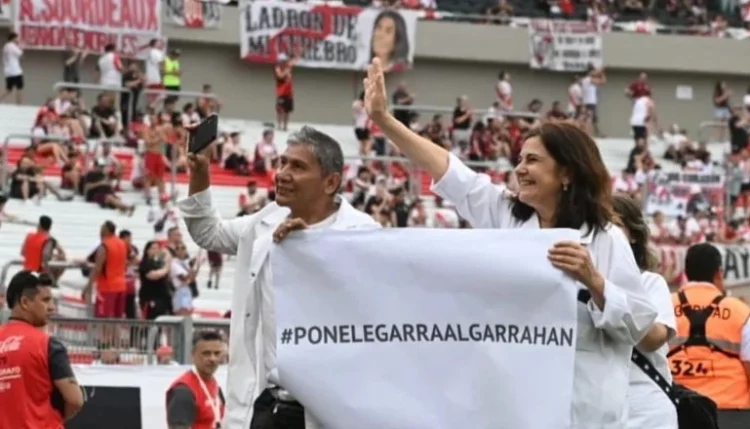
(402, 98)
(12, 53)
(266, 153)
(27, 181)
(500, 13)
(131, 275)
(5, 216)
(72, 173)
(235, 156)
(72, 60)
(575, 97)
(98, 189)
(182, 275)
(643, 116)
(109, 67)
(109, 274)
(556, 112)
(722, 102)
(207, 105)
(4, 310)
(154, 60)
(738, 125)
(638, 88)
(154, 162)
(190, 116)
(46, 141)
(463, 119)
(104, 122)
(172, 74)
(399, 208)
(562, 183)
(133, 80)
(504, 90)
(443, 217)
(251, 200)
(215, 263)
(165, 356)
(360, 125)
(113, 168)
(590, 86)
(45, 382)
(155, 294)
(282, 74)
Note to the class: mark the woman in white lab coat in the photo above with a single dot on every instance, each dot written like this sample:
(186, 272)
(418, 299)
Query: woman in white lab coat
(648, 406)
(562, 183)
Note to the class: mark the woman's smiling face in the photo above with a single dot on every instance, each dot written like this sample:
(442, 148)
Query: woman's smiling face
(538, 174)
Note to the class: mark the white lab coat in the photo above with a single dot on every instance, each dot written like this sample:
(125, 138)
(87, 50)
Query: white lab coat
(605, 338)
(250, 238)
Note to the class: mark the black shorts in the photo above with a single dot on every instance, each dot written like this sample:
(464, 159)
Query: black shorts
(362, 133)
(640, 132)
(745, 188)
(284, 104)
(14, 82)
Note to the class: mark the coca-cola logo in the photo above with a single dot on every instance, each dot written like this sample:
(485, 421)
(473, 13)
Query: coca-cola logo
(10, 344)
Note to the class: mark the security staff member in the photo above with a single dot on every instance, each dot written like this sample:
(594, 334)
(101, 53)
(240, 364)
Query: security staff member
(37, 389)
(109, 273)
(172, 78)
(195, 400)
(710, 352)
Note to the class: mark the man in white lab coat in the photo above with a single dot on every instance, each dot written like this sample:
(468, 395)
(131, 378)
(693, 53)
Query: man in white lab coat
(307, 182)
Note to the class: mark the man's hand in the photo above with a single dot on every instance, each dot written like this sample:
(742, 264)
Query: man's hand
(286, 227)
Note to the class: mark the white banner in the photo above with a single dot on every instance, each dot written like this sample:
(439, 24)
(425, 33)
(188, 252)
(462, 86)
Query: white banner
(736, 264)
(672, 193)
(566, 46)
(193, 13)
(119, 394)
(414, 328)
(327, 36)
(61, 25)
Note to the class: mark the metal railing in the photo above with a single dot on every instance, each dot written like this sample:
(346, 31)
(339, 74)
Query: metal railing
(708, 129)
(447, 109)
(5, 167)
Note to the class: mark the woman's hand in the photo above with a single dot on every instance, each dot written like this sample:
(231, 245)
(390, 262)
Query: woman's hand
(286, 227)
(575, 259)
(375, 92)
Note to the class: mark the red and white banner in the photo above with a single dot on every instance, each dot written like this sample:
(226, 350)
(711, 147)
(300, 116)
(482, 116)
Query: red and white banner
(89, 24)
(193, 13)
(672, 193)
(567, 46)
(326, 36)
(736, 264)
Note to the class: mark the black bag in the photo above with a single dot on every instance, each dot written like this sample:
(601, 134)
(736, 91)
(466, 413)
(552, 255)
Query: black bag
(694, 411)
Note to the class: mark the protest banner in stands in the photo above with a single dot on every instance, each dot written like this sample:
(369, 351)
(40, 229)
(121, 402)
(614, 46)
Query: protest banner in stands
(565, 46)
(327, 36)
(193, 13)
(677, 194)
(736, 264)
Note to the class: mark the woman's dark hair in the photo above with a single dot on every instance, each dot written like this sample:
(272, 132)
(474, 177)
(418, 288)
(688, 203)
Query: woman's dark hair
(361, 96)
(144, 260)
(400, 53)
(631, 218)
(588, 199)
(718, 90)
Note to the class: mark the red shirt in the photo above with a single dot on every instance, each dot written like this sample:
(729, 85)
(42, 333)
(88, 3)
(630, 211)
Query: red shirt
(205, 414)
(638, 89)
(29, 362)
(284, 86)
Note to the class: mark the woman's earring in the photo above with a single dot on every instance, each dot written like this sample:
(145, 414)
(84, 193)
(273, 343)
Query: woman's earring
(565, 187)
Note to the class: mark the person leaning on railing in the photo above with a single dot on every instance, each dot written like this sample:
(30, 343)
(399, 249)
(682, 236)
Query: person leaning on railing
(562, 183)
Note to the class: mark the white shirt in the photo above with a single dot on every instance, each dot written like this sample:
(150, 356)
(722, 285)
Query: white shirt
(575, 97)
(250, 239)
(589, 91)
(360, 114)
(648, 406)
(153, 66)
(12, 54)
(505, 95)
(640, 112)
(110, 69)
(605, 339)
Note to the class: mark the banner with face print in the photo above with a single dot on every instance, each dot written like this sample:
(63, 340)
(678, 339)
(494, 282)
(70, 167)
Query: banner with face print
(193, 13)
(327, 36)
(566, 46)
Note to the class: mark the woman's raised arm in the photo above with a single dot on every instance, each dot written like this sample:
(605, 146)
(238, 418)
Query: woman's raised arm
(424, 153)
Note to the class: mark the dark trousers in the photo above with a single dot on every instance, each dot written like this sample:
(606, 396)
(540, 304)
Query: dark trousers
(269, 412)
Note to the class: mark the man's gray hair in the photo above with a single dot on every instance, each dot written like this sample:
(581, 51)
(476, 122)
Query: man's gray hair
(326, 150)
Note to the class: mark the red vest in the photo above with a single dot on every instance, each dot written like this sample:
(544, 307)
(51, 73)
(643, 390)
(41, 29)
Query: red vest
(204, 416)
(32, 250)
(24, 373)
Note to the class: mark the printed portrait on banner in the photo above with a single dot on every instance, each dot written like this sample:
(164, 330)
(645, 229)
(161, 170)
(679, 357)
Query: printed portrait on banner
(193, 13)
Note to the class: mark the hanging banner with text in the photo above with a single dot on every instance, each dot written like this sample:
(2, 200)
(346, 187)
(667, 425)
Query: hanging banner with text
(193, 13)
(678, 194)
(127, 397)
(565, 46)
(736, 264)
(324, 36)
(360, 343)
(89, 25)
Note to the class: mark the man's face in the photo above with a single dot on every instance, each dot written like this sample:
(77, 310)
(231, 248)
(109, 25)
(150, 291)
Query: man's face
(207, 356)
(299, 179)
(252, 189)
(175, 236)
(39, 307)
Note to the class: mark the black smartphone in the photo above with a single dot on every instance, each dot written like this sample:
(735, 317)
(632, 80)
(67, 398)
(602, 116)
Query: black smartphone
(204, 134)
